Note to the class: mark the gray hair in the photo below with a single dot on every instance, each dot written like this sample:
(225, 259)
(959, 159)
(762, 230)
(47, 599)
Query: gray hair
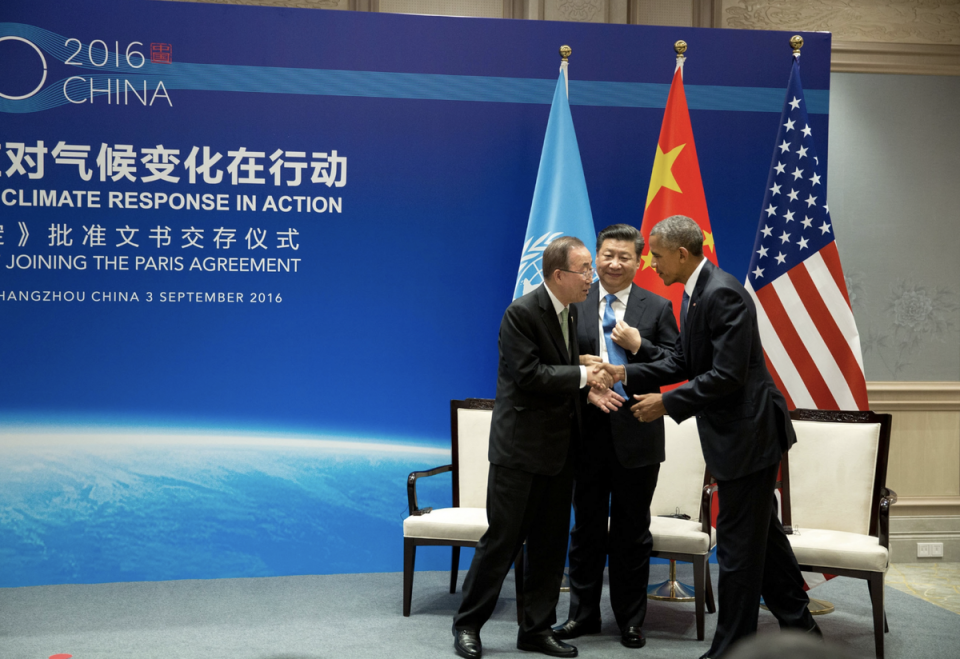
(557, 255)
(680, 231)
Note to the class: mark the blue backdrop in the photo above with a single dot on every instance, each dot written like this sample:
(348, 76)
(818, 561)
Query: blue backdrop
(268, 429)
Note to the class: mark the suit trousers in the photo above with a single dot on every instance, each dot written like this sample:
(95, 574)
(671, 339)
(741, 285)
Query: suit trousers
(755, 559)
(520, 506)
(605, 489)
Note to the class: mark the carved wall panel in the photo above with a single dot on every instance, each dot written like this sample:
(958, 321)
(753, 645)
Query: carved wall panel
(895, 21)
(658, 12)
(478, 8)
(296, 4)
(579, 11)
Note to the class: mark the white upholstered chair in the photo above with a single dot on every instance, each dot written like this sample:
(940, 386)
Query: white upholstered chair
(835, 500)
(465, 522)
(683, 486)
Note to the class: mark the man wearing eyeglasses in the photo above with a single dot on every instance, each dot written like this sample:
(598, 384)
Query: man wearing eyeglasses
(619, 459)
(533, 434)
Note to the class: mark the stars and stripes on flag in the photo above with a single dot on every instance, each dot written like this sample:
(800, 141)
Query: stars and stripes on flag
(675, 188)
(807, 328)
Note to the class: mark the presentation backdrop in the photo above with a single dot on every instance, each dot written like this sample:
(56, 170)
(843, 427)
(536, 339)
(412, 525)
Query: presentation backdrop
(248, 255)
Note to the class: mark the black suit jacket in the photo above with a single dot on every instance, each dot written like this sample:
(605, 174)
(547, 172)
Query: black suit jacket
(635, 444)
(742, 417)
(537, 408)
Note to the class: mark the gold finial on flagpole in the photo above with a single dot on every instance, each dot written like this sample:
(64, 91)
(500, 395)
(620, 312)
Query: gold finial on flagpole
(681, 47)
(565, 52)
(796, 42)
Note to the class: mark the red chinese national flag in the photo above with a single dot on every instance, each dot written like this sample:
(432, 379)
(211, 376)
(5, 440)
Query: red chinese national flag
(675, 188)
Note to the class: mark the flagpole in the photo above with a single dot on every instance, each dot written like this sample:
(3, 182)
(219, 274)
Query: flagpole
(674, 590)
(796, 42)
(565, 52)
(817, 607)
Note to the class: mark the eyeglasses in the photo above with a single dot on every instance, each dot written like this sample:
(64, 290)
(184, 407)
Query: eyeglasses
(586, 274)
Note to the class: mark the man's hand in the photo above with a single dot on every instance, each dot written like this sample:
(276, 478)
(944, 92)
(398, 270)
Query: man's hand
(608, 401)
(616, 373)
(586, 360)
(598, 378)
(648, 408)
(626, 337)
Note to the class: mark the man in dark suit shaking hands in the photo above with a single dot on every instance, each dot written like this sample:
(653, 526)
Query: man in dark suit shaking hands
(533, 434)
(744, 428)
(619, 458)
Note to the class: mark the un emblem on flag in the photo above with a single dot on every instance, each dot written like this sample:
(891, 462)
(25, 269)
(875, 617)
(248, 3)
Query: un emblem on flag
(530, 275)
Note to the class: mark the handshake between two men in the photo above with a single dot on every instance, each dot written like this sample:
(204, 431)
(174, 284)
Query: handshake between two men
(601, 377)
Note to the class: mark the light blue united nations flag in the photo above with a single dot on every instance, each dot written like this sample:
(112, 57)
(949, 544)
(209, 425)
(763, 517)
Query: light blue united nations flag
(560, 205)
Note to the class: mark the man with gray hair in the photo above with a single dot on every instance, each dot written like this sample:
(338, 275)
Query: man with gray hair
(534, 432)
(744, 428)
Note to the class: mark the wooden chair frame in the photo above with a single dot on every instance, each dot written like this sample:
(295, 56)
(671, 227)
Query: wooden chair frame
(702, 586)
(882, 498)
(410, 544)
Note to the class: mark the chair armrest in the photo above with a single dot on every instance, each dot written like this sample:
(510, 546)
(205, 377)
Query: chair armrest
(412, 487)
(706, 507)
(888, 498)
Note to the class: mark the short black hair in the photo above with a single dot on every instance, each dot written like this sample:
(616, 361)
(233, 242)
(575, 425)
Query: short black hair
(621, 232)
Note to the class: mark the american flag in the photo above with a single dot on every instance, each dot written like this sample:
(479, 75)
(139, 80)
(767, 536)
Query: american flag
(809, 335)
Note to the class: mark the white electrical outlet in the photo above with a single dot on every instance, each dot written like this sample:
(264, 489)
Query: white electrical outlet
(929, 550)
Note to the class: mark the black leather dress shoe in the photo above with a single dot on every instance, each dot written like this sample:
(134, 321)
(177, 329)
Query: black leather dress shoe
(573, 629)
(632, 637)
(548, 644)
(467, 643)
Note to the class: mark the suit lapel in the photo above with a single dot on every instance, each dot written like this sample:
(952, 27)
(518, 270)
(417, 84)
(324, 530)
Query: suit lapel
(634, 306)
(592, 310)
(574, 344)
(549, 316)
(693, 312)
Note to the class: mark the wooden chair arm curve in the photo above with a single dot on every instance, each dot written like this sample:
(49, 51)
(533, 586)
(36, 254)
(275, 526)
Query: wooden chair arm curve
(412, 486)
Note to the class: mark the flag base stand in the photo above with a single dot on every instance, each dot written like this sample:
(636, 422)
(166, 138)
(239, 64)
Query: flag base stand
(671, 590)
(816, 607)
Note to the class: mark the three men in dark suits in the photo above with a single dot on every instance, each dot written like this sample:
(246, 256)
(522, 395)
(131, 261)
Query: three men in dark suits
(744, 428)
(619, 458)
(534, 432)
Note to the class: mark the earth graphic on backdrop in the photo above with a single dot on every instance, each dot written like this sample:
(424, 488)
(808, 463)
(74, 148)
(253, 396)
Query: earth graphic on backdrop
(97, 507)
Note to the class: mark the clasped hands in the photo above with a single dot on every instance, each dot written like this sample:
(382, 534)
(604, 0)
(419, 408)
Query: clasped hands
(601, 377)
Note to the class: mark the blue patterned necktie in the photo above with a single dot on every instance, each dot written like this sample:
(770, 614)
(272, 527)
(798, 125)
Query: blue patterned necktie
(615, 354)
(683, 309)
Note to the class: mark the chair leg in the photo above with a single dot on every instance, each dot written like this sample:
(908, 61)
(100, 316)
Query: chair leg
(454, 569)
(409, 558)
(711, 607)
(875, 585)
(699, 572)
(518, 576)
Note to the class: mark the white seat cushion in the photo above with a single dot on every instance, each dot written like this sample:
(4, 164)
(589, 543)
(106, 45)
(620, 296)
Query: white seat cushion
(682, 536)
(464, 524)
(839, 549)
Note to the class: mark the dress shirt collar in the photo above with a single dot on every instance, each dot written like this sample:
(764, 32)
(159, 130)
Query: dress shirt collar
(692, 281)
(623, 295)
(557, 305)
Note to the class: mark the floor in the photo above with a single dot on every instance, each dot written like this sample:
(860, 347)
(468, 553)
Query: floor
(937, 583)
